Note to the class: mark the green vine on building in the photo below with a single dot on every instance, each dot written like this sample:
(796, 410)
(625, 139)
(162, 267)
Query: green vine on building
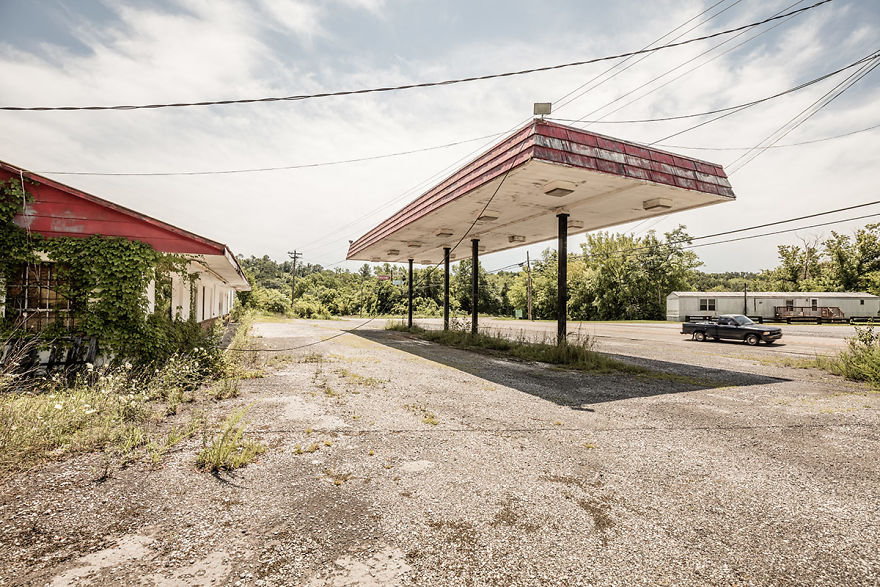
(105, 280)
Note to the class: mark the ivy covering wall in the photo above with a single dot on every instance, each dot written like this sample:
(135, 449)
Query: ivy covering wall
(105, 279)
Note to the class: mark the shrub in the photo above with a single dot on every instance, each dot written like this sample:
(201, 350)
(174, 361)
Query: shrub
(308, 306)
(860, 361)
(272, 301)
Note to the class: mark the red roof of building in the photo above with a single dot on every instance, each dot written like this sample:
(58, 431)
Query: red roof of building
(60, 210)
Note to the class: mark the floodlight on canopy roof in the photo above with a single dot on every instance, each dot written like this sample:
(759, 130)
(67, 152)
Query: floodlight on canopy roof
(544, 169)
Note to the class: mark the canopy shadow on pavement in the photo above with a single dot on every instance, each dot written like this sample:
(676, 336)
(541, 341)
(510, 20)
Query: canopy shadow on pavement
(567, 387)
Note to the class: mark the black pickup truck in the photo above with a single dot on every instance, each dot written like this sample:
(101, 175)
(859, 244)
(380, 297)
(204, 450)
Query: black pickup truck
(732, 327)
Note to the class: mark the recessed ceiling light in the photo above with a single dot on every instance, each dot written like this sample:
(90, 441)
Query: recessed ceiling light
(657, 204)
(414, 244)
(425, 261)
(516, 238)
(375, 259)
(576, 224)
(444, 232)
(559, 188)
(487, 218)
(393, 252)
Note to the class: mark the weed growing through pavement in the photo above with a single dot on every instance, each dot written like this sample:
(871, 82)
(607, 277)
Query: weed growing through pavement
(313, 447)
(337, 478)
(576, 354)
(229, 449)
(358, 379)
(428, 417)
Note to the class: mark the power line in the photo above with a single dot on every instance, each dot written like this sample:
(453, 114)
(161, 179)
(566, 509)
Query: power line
(410, 190)
(782, 146)
(807, 113)
(447, 82)
(465, 141)
(563, 102)
(664, 74)
(742, 238)
(278, 168)
(729, 112)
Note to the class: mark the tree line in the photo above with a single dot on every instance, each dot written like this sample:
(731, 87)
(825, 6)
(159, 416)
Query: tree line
(612, 277)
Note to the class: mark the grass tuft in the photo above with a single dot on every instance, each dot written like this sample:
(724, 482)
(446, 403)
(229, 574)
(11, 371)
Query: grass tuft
(229, 449)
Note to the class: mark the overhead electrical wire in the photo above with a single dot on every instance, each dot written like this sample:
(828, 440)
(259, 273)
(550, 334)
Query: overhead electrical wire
(301, 97)
(277, 168)
(564, 101)
(782, 146)
(861, 62)
(683, 74)
(804, 115)
(489, 136)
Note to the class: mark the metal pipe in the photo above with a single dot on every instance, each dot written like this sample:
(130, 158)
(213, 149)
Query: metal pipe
(410, 286)
(475, 281)
(446, 251)
(562, 281)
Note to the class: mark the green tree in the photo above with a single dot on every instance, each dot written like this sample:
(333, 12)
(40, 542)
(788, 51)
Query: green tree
(854, 262)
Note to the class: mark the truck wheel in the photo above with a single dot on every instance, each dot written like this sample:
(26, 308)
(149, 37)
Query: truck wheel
(752, 339)
(699, 336)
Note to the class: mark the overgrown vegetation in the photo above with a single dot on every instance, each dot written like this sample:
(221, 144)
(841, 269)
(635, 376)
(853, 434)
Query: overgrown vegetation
(578, 354)
(103, 283)
(123, 410)
(612, 277)
(860, 361)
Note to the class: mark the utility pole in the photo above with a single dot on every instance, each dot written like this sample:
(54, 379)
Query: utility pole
(528, 286)
(745, 300)
(293, 255)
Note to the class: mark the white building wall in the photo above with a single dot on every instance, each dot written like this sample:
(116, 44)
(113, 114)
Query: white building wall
(213, 296)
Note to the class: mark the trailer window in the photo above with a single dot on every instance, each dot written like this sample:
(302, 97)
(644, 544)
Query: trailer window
(707, 304)
(789, 304)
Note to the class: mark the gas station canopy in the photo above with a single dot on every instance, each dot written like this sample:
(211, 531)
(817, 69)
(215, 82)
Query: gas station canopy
(543, 169)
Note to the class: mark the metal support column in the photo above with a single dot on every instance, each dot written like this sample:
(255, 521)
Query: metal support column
(446, 251)
(475, 282)
(562, 283)
(410, 286)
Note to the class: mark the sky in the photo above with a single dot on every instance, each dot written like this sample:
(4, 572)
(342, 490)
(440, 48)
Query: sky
(85, 52)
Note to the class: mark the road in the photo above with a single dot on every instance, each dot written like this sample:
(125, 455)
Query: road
(799, 340)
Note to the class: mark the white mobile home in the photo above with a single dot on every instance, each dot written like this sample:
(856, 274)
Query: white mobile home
(772, 305)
